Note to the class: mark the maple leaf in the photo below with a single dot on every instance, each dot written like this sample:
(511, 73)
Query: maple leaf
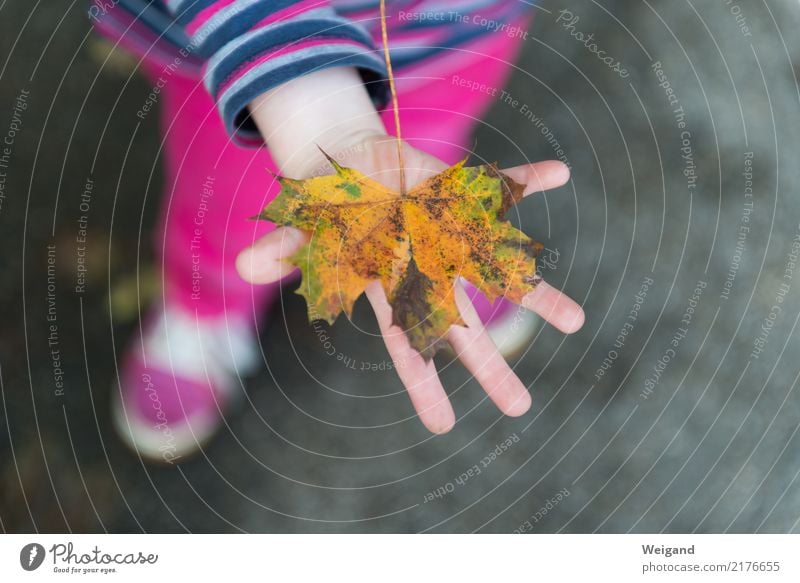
(416, 244)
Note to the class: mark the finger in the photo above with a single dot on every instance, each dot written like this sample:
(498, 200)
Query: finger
(556, 307)
(539, 176)
(419, 377)
(479, 354)
(263, 262)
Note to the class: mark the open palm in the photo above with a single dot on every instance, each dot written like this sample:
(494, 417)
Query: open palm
(376, 156)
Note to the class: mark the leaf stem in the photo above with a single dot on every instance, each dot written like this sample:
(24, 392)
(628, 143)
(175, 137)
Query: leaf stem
(385, 38)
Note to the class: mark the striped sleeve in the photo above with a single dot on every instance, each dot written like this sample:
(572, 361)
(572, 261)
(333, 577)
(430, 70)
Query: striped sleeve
(247, 47)
(252, 46)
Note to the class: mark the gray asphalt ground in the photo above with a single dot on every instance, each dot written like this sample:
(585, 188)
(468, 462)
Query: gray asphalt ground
(675, 408)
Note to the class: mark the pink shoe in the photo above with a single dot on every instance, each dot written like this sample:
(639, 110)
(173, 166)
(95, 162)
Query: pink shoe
(510, 326)
(178, 379)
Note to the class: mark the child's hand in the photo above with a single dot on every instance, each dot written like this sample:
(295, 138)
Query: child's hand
(331, 109)
(376, 156)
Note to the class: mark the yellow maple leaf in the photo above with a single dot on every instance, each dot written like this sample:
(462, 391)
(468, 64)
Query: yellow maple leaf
(416, 244)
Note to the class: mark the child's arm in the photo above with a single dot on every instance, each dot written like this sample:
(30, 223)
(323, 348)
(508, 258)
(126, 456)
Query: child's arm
(328, 109)
(331, 109)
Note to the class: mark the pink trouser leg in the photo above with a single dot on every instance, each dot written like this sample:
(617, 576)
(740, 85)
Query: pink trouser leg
(438, 112)
(212, 189)
(213, 186)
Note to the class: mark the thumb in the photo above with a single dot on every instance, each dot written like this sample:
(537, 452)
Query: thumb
(264, 261)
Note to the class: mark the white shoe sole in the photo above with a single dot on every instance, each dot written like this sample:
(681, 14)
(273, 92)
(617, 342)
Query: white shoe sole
(514, 332)
(157, 445)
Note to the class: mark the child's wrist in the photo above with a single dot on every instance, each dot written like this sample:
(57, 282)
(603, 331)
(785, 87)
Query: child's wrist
(329, 109)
